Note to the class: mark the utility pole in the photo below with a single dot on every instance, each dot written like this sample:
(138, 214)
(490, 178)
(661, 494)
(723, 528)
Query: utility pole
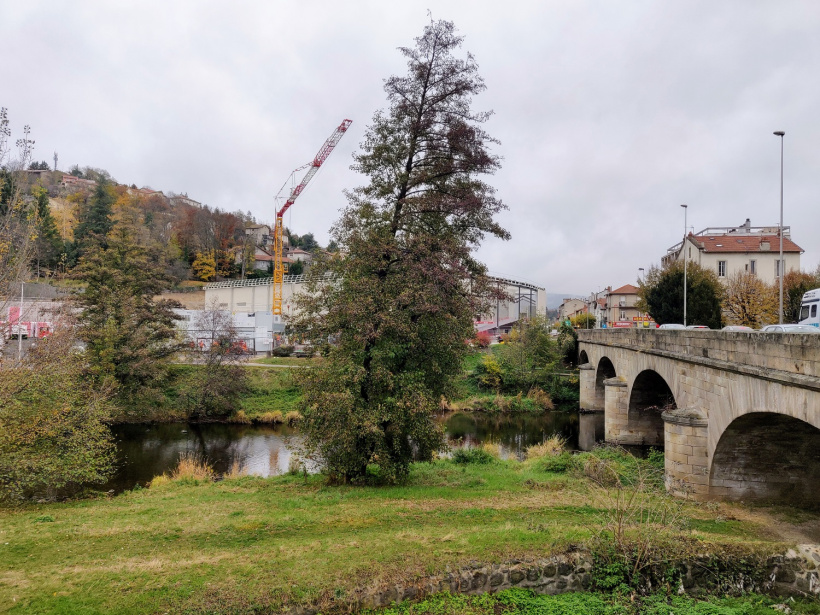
(781, 270)
(685, 259)
(20, 324)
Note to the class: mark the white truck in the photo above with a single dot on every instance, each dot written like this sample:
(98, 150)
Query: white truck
(809, 308)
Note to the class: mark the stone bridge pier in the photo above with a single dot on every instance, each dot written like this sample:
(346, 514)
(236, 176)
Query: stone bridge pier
(737, 414)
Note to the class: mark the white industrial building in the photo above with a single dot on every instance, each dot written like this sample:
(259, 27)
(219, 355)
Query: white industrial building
(254, 297)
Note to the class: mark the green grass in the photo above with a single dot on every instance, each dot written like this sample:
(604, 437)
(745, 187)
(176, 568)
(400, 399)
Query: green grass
(289, 361)
(249, 544)
(522, 602)
(270, 390)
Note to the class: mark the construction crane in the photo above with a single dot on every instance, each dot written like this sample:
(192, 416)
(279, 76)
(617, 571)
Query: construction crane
(313, 167)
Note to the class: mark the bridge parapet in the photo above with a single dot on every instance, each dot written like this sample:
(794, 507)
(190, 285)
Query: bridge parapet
(792, 353)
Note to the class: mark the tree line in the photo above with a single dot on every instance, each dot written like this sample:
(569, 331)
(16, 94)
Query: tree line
(204, 243)
(744, 299)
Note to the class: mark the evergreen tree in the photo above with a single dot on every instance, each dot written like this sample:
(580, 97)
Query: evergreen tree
(94, 219)
(129, 336)
(49, 246)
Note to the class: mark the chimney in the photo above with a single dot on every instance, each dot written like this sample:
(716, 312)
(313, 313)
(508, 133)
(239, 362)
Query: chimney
(765, 246)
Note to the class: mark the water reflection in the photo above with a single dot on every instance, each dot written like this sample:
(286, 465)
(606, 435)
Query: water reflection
(145, 451)
(590, 430)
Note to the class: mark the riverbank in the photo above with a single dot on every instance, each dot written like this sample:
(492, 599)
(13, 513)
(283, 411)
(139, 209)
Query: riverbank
(273, 395)
(247, 544)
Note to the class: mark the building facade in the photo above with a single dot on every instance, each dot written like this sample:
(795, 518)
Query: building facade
(743, 249)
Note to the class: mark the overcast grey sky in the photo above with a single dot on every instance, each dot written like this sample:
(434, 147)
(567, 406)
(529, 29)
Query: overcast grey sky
(610, 114)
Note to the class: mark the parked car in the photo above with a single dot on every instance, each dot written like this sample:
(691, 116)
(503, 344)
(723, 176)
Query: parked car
(697, 327)
(737, 328)
(790, 329)
(671, 326)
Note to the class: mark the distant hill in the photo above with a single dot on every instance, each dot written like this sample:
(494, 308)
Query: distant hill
(554, 300)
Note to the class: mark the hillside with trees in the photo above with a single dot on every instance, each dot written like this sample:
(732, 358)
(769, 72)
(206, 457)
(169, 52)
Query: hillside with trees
(194, 241)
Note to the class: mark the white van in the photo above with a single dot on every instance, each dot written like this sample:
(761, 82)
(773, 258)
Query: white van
(809, 308)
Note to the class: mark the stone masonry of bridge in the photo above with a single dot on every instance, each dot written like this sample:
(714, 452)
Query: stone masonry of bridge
(738, 414)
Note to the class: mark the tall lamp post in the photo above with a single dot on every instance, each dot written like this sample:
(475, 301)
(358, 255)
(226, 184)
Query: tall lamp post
(685, 259)
(781, 270)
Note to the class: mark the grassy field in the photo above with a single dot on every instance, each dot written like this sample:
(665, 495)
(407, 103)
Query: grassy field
(270, 390)
(247, 545)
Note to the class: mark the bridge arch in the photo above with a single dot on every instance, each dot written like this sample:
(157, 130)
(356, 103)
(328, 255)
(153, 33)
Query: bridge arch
(604, 370)
(583, 357)
(767, 456)
(649, 397)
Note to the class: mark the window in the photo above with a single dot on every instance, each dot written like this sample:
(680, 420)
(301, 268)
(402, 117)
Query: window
(804, 312)
(814, 311)
(777, 268)
(721, 269)
(623, 315)
(753, 267)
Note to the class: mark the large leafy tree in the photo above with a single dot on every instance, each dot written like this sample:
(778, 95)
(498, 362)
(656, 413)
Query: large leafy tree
(661, 295)
(749, 301)
(53, 433)
(129, 335)
(405, 287)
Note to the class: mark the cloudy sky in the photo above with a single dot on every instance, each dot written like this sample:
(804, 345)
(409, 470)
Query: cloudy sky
(610, 114)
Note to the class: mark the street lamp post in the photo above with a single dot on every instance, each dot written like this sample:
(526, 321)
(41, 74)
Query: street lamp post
(685, 259)
(781, 270)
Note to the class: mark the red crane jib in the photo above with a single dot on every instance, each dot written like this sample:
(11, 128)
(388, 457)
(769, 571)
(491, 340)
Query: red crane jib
(321, 156)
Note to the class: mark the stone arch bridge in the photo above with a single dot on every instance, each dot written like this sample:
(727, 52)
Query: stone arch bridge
(738, 414)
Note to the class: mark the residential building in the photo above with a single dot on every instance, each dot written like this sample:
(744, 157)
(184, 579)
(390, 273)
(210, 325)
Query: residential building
(745, 248)
(70, 181)
(596, 306)
(571, 307)
(621, 309)
(184, 199)
(260, 234)
(298, 254)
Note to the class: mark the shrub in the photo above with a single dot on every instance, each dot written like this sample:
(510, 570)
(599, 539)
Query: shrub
(282, 351)
(192, 467)
(488, 373)
(482, 339)
(240, 417)
(272, 418)
(552, 446)
(492, 449)
(464, 456)
(159, 481)
(558, 463)
(541, 398)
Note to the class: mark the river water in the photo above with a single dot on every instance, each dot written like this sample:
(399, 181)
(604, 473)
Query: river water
(146, 451)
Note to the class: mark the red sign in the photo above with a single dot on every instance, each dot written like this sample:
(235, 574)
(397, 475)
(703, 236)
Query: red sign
(620, 324)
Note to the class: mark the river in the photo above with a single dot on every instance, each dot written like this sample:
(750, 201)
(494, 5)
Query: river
(146, 451)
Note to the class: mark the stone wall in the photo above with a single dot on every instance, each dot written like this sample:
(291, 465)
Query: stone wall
(790, 574)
